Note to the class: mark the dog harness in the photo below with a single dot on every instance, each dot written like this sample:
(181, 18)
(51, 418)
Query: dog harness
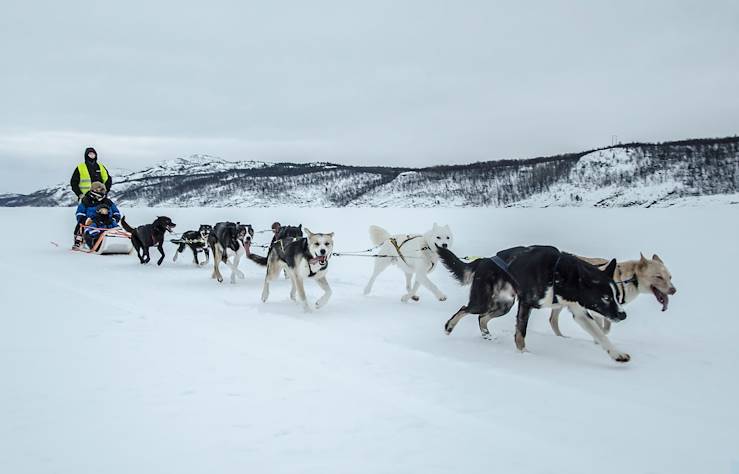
(312, 261)
(425, 248)
(554, 279)
(394, 241)
(504, 266)
(622, 286)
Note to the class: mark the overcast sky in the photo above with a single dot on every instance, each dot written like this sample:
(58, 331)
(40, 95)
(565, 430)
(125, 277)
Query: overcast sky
(371, 82)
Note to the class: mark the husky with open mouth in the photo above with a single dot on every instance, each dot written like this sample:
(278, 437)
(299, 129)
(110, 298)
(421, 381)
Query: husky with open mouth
(632, 277)
(305, 257)
(229, 242)
(540, 277)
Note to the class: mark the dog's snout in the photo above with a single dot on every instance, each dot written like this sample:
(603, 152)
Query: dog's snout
(621, 315)
(673, 290)
(323, 251)
(444, 245)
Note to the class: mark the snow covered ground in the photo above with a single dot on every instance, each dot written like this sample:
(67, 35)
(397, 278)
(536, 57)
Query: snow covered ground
(109, 366)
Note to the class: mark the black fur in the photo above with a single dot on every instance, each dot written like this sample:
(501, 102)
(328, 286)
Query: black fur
(197, 240)
(530, 272)
(280, 242)
(149, 235)
(230, 235)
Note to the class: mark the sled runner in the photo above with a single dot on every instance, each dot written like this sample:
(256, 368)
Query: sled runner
(111, 242)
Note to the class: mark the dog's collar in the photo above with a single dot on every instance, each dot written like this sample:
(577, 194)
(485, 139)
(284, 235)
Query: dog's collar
(633, 280)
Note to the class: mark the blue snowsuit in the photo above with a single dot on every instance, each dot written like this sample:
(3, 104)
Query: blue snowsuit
(87, 208)
(93, 232)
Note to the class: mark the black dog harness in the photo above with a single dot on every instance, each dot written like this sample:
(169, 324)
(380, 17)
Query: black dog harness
(504, 266)
(634, 280)
(554, 279)
(324, 266)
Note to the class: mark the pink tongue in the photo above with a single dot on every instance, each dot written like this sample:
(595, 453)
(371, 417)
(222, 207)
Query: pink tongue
(247, 248)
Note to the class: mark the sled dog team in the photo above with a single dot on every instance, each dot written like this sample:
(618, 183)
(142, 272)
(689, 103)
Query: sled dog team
(594, 290)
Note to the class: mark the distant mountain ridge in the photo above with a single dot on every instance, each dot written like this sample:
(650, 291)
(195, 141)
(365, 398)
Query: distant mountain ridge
(697, 171)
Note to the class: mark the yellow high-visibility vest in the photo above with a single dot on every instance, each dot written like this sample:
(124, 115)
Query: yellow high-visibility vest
(85, 181)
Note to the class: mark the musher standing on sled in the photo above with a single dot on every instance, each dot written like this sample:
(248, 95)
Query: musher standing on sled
(87, 173)
(87, 209)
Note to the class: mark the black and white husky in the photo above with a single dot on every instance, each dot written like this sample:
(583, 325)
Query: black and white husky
(415, 254)
(301, 258)
(229, 242)
(541, 277)
(197, 240)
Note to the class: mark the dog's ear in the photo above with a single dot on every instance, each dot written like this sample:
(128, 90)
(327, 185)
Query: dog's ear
(307, 231)
(331, 235)
(656, 257)
(643, 262)
(610, 269)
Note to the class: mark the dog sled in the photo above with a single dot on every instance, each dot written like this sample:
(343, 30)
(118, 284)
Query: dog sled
(114, 241)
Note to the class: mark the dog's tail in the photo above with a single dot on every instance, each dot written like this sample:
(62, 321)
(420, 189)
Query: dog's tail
(378, 235)
(258, 259)
(462, 271)
(126, 226)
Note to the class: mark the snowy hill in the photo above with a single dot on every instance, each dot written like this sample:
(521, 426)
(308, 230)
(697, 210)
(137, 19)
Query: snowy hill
(680, 173)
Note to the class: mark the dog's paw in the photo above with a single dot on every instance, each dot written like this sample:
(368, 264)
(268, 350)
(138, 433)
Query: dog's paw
(307, 309)
(442, 298)
(620, 356)
(220, 279)
(487, 336)
(416, 298)
(520, 342)
(448, 329)
(404, 298)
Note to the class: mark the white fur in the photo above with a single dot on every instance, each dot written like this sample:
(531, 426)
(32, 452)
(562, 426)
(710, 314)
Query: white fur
(419, 258)
(302, 270)
(232, 261)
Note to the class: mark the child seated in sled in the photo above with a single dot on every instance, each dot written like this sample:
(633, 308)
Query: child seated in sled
(96, 226)
(87, 209)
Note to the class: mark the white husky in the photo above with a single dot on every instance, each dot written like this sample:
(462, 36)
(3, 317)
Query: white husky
(415, 254)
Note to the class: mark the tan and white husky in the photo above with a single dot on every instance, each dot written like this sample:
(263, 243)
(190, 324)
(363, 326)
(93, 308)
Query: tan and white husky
(632, 277)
